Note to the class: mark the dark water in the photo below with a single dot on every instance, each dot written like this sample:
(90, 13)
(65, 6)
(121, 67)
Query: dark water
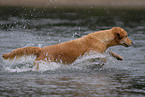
(21, 27)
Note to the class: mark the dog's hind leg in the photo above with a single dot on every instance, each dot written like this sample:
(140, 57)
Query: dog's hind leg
(37, 62)
(40, 60)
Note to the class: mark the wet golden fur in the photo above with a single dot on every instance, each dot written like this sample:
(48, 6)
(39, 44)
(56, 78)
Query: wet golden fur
(68, 52)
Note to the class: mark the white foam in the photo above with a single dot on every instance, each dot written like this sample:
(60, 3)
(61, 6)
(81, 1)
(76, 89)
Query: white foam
(17, 69)
(88, 60)
(44, 66)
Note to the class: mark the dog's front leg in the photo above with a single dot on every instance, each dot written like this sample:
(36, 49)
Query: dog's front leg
(118, 57)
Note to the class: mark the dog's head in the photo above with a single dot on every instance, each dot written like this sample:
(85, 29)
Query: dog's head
(121, 37)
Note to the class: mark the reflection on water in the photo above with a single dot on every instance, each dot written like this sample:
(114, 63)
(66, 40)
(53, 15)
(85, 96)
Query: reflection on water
(20, 27)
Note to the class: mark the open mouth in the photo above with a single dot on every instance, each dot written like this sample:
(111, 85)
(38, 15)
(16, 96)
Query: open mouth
(125, 45)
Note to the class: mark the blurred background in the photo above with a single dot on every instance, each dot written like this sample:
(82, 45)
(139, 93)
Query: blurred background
(133, 4)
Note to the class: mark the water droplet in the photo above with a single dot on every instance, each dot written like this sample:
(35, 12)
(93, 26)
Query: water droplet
(40, 45)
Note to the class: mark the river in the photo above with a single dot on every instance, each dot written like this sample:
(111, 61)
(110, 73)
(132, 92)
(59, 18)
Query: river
(22, 27)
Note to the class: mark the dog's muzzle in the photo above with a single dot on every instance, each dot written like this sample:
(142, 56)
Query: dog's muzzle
(126, 45)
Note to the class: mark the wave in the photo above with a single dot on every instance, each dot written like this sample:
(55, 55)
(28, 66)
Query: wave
(88, 61)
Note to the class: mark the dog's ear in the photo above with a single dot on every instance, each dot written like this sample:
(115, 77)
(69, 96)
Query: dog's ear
(118, 32)
(119, 35)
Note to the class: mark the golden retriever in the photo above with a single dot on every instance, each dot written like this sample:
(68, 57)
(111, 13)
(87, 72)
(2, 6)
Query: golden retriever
(69, 51)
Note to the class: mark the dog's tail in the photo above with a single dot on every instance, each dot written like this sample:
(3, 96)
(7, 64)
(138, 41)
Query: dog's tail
(23, 53)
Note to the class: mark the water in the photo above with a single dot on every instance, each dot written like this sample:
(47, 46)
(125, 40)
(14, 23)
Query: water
(22, 27)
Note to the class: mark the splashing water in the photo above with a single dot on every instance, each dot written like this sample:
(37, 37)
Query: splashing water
(88, 61)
